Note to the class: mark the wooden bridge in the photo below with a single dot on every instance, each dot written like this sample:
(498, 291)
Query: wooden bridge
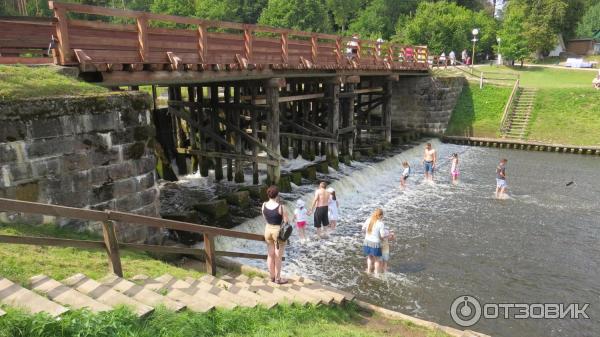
(253, 94)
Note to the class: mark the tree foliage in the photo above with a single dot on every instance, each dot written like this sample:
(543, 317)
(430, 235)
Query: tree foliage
(379, 17)
(247, 11)
(444, 26)
(309, 15)
(343, 12)
(514, 45)
(590, 22)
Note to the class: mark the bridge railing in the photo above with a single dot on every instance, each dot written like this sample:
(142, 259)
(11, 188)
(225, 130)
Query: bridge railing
(111, 244)
(187, 43)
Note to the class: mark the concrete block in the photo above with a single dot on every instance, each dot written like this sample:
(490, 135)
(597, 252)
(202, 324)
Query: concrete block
(216, 208)
(296, 177)
(310, 172)
(238, 198)
(258, 192)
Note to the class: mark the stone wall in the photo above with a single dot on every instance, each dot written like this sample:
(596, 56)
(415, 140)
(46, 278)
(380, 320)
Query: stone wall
(88, 152)
(425, 103)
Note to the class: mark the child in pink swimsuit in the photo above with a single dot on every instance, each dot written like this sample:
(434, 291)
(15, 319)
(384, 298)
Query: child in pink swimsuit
(454, 172)
(300, 217)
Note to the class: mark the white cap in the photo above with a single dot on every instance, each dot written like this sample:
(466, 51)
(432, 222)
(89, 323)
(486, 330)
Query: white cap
(299, 203)
(330, 189)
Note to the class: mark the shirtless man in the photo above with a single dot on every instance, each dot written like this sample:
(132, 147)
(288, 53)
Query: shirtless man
(429, 161)
(320, 208)
(501, 179)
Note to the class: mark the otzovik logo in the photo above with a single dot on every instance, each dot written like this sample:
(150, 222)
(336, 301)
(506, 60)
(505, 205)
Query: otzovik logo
(466, 310)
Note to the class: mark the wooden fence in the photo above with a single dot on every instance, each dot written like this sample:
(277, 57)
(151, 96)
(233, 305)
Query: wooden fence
(149, 41)
(112, 245)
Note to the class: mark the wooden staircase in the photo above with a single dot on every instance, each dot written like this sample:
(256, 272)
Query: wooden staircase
(520, 115)
(143, 294)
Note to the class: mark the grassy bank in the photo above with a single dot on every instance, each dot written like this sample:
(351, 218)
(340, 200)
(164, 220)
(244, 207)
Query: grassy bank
(320, 321)
(566, 116)
(30, 82)
(20, 262)
(540, 77)
(478, 111)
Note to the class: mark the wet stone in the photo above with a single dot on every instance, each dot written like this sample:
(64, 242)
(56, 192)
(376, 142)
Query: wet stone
(239, 198)
(216, 208)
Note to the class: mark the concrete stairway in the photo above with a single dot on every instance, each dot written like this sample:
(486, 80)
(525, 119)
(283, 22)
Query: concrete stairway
(521, 114)
(143, 294)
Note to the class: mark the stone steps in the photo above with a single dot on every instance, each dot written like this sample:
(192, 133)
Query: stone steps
(14, 295)
(64, 295)
(521, 112)
(105, 294)
(143, 294)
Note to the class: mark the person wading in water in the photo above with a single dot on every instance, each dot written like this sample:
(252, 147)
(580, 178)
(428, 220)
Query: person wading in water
(274, 214)
(429, 162)
(320, 208)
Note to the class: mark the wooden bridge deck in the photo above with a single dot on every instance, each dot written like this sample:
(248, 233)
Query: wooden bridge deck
(141, 50)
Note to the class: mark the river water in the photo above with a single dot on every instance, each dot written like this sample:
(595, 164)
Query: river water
(542, 245)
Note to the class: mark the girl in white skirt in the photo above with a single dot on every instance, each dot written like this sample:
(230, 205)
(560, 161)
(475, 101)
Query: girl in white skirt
(333, 208)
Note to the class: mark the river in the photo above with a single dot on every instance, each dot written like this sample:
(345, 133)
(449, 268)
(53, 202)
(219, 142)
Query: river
(542, 245)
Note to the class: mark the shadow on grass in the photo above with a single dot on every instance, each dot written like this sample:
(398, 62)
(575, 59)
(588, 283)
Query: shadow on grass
(463, 116)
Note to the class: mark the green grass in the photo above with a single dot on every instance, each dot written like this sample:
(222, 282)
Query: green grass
(478, 111)
(540, 77)
(282, 321)
(29, 82)
(20, 262)
(566, 116)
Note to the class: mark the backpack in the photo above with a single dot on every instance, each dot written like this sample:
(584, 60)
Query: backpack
(284, 232)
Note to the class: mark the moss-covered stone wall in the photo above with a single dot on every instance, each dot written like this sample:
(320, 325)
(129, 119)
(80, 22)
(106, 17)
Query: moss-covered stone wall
(90, 152)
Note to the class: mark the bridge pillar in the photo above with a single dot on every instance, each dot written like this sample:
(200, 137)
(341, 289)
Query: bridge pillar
(272, 99)
(333, 94)
(387, 109)
(349, 117)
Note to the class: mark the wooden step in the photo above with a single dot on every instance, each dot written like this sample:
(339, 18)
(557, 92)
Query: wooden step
(141, 294)
(170, 283)
(221, 293)
(14, 295)
(265, 301)
(316, 285)
(192, 303)
(64, 295)
(262, 290)
(105, 294)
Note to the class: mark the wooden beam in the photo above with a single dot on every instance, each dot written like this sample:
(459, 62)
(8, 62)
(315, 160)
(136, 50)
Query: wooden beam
(251, 139)
(112, 248)
(227, 155)
(207, 131)
(284, 99)
(272, 92)
(39, 241)
(307, 137)
(142, 28)
(387, 110)
(210, 260)
(62, 34)
(369, 90)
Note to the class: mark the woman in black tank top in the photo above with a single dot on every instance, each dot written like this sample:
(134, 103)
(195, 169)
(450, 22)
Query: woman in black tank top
(274, 216)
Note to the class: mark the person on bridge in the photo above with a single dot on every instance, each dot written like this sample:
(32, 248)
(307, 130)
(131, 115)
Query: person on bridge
(374, 232)
(452, 57)
(463, 56)
(320, 208)
(443, 61)
(429, 162)
(275, 215)
(352, 48)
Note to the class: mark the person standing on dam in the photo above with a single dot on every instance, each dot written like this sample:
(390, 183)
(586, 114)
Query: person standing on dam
(320, 208)
(429, 162)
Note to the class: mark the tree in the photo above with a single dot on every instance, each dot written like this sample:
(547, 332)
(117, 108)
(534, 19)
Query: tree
(174, 7)
(590, 22)
(343, 11)
(514, 45)
(310, 15)
(246, 11)
(444, 26)
(544, 21)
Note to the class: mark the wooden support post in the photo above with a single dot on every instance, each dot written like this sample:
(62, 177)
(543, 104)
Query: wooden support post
(229, 135)
(387, 110)
(333, 92)
(204, 162)
(112, 248)
(62, 34)
(143, 47)
(272, 95)
(350, 117)
(314, 49)
(175, 95)
(209, 249)
(239, 164)
(193, 131)
(214, 99)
